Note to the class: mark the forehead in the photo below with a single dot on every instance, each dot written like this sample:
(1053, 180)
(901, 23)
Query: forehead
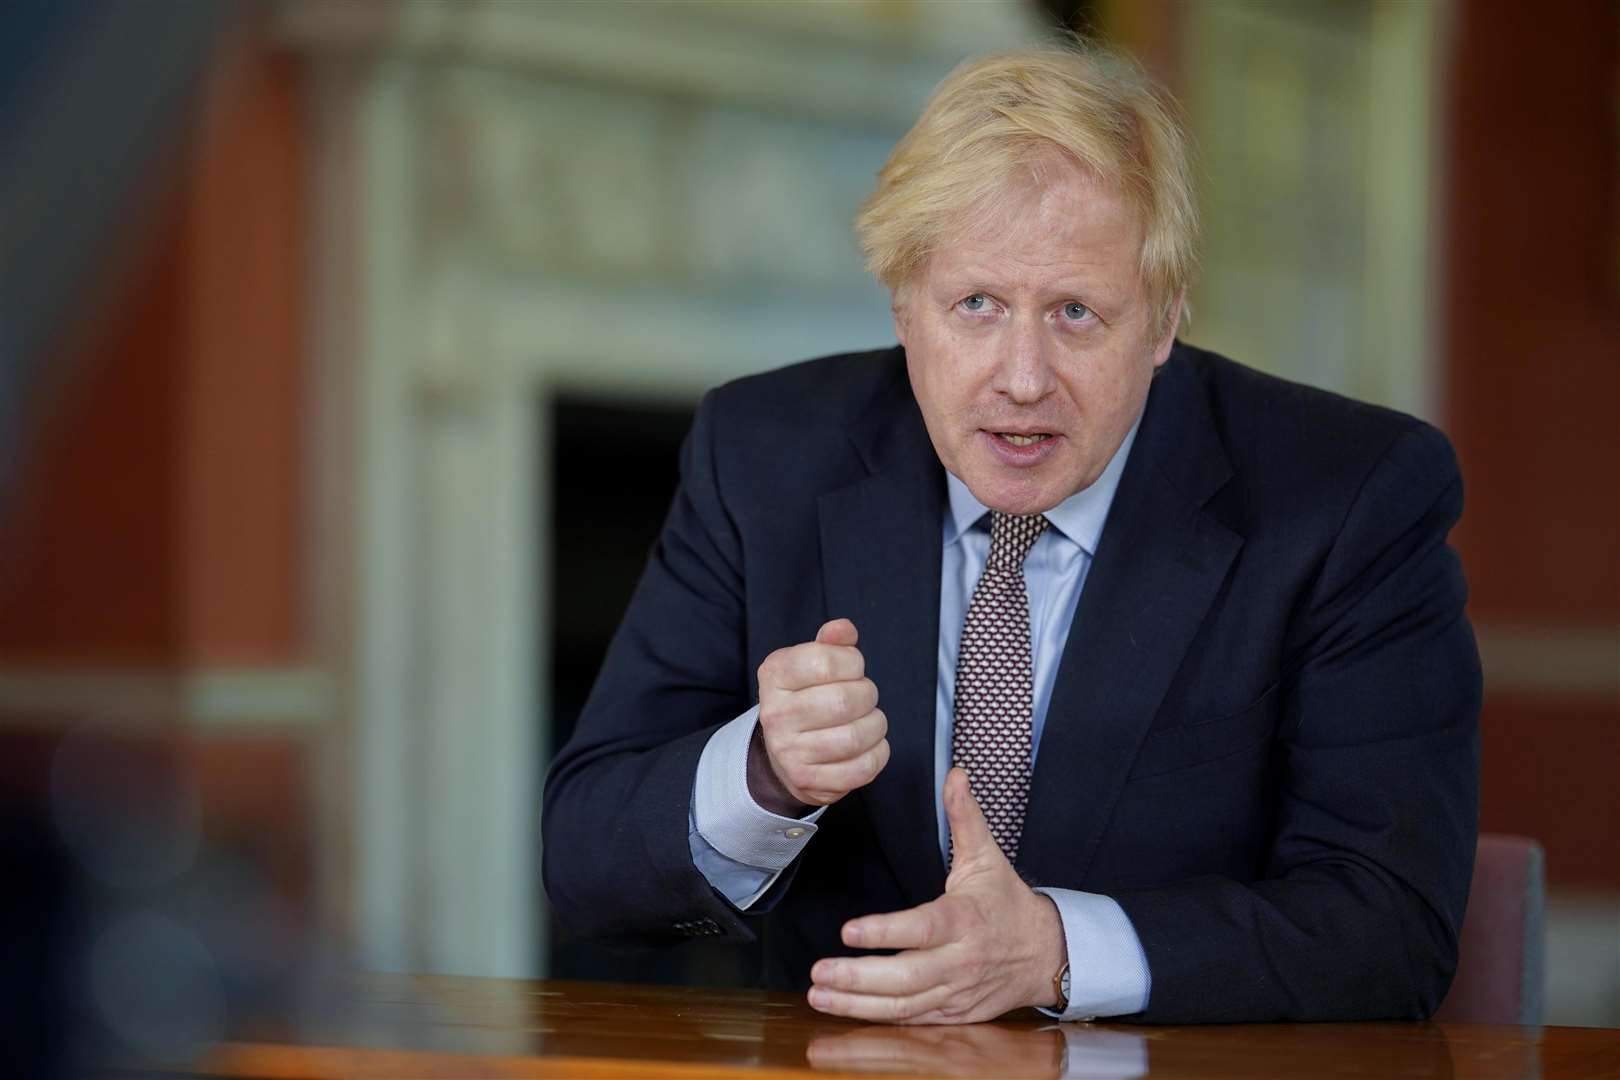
(1052, 218)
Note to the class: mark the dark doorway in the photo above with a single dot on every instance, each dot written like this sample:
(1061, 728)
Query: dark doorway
(614, 468)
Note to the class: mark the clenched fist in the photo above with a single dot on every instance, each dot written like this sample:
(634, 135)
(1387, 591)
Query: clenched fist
(820, 733)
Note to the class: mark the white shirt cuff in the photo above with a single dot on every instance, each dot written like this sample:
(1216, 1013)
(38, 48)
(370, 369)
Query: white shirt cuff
(735, 827)
(1108, 970)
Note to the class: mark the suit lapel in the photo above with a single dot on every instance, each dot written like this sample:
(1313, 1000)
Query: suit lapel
(1159, 564)
(880, 548)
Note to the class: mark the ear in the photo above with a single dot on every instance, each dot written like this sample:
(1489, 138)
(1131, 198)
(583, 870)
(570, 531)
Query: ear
(1172, 321)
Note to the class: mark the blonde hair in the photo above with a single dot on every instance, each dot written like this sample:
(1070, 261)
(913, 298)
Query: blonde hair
(1000, 115)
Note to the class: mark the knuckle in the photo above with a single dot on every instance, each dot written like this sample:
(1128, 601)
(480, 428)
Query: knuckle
(830, 699)
(849, 742)
(849, 700)
(871, 765)
(820, 702)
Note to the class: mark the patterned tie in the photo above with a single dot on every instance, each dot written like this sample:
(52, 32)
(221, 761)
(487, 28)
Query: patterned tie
(995, 695)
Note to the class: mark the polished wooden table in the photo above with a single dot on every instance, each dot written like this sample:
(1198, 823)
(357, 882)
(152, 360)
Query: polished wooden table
(442, 1027)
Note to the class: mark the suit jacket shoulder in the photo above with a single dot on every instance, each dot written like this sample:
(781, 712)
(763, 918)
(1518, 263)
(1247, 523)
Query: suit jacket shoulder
(1300, 452)
(782, 438)
(828, 391)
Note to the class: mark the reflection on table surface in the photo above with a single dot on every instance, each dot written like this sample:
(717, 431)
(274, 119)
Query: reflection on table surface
(439, 1026)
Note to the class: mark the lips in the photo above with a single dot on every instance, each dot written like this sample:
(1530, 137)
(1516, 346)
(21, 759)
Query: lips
(1021, 448)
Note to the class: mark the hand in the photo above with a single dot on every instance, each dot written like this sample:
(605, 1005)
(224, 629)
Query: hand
(820, 733)
(989, 945)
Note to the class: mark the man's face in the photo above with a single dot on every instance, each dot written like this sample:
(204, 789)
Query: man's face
(1031, 341)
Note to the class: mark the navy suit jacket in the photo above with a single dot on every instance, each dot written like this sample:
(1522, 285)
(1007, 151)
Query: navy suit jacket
(1262, 740)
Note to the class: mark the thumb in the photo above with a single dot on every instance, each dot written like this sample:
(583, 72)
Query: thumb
(837, 632)
(970, 833)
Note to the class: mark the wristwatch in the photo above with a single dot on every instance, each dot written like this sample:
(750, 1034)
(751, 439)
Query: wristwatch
(1060, 983)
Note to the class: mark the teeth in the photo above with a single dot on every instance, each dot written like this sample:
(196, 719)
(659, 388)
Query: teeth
(1024, 440)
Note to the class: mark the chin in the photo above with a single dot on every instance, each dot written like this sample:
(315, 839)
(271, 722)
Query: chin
(1016, 496)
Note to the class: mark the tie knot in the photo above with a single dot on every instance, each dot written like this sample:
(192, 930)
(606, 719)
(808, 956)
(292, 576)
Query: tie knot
(1011, 537)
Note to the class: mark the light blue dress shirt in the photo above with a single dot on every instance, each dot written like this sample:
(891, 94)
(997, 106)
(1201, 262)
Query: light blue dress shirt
(741, 848)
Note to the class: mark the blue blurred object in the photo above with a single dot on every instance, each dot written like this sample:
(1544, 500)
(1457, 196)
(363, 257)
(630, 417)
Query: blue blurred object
(90, 94)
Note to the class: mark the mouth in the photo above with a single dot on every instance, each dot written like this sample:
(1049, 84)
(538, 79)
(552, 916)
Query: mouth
(1018, 439)
(1021, 448)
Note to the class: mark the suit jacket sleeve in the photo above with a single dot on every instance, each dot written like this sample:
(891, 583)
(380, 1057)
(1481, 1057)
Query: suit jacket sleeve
(617, 802)
(1358, 911)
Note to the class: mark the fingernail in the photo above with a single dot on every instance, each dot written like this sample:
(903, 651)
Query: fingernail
(818, 998)
(852, 934)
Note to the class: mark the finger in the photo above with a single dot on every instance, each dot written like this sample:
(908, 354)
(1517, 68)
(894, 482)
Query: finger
(970, 833)
(812, 664)
(844, 742)
(924, 927)
(909, 972)
(830, 705)
(838, 632)
(829, 783)
(909, 1008)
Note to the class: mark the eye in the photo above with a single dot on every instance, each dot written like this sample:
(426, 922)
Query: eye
(976, 302)
(1076, 312)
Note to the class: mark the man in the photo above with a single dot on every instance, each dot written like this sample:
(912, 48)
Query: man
(1192, 634)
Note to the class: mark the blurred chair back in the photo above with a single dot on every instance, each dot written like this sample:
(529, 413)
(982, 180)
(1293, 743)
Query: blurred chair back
(1501, 962)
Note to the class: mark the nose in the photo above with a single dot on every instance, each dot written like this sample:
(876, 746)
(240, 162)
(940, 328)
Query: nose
(1024, 373)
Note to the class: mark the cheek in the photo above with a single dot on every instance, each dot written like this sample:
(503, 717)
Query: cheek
(1098, 384)
(944, 375)
(1089, 389)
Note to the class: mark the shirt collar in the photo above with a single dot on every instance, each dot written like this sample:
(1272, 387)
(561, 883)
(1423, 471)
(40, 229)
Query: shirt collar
(1080, 517)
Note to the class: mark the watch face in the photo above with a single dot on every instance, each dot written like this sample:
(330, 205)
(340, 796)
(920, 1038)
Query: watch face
(1065, 986)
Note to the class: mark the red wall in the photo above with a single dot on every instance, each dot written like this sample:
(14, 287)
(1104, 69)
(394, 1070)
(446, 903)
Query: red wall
(1531, 324)
(157, 510)
(156, 521)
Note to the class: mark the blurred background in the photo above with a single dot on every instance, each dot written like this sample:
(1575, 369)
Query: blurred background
(345, 349)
